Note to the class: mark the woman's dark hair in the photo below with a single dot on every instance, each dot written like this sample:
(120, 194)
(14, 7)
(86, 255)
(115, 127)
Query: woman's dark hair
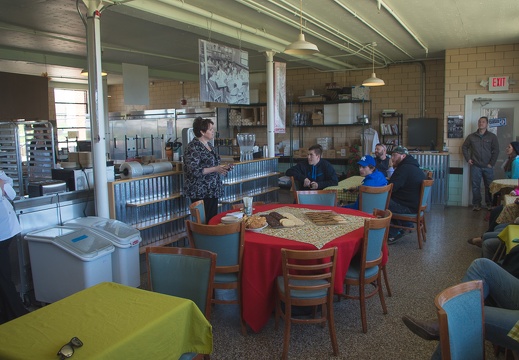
(201, 125)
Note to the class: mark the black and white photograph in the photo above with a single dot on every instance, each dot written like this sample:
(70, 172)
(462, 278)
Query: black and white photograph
(224, 74)
(455, 127)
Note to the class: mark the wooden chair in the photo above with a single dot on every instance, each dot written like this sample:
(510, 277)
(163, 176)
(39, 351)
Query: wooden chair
(183, 272)
(461, 321)
(317, 197)
(307, 281)
(419, 217)
(227, 242)
(240, 206)
(198, 212)
(371, 198)
(365, 270)
(381, 214)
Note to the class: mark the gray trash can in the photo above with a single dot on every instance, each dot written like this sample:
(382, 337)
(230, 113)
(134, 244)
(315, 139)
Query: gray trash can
(126, 239)
(65, 260)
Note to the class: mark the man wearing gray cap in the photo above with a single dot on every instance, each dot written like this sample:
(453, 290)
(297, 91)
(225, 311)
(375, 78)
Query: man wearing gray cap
(407, 181)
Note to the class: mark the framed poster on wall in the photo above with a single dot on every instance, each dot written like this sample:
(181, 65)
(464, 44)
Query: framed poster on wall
(455, 127)
(224, 73)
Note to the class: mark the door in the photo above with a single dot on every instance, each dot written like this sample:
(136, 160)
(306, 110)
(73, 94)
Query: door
(504, 106)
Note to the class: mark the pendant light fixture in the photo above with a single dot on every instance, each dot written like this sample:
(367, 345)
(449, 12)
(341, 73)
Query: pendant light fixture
(84, 72)
(373, 80)
(301, 46)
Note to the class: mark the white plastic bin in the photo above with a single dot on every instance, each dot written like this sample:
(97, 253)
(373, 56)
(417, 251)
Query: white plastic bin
(126, 239)
(65, 260)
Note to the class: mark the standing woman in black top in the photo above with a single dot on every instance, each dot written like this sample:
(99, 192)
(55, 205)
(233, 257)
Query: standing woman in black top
(202, 169)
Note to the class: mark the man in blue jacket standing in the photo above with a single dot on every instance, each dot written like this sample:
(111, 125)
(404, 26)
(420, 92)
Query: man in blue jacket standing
(315, 173)
(480, 150)
(407, 181)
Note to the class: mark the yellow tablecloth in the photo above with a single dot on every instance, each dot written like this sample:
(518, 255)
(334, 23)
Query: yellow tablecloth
(508, 234)
(510, 210)
(497, 185)
(342, 193)
(114, 322)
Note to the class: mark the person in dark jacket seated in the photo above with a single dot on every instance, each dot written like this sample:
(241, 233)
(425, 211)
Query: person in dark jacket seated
(315, 173)
(372, 177)
(407, 181)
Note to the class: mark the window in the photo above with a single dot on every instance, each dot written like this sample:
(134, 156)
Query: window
(71, 118)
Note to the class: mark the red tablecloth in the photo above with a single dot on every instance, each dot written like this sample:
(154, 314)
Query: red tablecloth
(262, 263)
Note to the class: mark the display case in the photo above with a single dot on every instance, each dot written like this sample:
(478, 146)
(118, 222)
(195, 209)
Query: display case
(153, 204)
(391, 130)
(256, 178)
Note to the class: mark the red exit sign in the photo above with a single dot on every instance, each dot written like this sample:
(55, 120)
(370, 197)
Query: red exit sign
(498, 83)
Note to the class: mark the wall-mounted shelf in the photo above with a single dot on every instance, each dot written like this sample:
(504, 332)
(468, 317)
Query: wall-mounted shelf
(391, 128)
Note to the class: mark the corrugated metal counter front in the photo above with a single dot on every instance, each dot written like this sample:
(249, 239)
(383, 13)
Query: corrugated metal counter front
(438, 163)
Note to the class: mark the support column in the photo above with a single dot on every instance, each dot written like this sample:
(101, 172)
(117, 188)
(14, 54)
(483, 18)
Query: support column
(96, 106)
(270, 102)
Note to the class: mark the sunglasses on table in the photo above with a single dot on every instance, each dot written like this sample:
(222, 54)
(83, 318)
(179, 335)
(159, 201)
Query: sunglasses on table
(67, 350)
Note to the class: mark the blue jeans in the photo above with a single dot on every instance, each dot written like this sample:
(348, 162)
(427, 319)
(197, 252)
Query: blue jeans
(398, 208)
(503, 287)
(476, 173)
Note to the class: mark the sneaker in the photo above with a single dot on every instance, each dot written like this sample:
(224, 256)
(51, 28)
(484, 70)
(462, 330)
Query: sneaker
(427, 330)
(476, 208)
(393, 239)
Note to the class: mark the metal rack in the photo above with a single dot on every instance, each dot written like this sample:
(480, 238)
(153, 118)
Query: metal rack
(39, 144)
(10, 156)
(257, 178)
(153, 204)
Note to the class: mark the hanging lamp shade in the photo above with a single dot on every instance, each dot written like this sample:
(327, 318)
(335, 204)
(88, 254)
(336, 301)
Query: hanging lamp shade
(84, 72)
(373, 80)
(301, 46)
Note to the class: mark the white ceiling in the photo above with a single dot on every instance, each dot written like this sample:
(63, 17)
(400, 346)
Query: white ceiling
(48, 36)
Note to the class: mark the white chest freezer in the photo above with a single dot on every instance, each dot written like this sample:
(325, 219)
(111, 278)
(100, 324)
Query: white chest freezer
(65, 260)
(126, 239)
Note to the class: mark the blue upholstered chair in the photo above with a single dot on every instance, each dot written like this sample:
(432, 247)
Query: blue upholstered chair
(183, 272)
(307, 280)
(419, 217)
(365, 270)
(371, 198)
(226, 240)
(317, 197)
(461, 320)
(197, 211)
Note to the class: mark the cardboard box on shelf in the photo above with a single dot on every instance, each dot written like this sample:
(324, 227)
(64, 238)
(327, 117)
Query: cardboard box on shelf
(317, 119)
(329, 154)
(325, 142)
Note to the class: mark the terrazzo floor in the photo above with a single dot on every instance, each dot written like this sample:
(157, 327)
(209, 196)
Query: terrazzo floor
(415, 276)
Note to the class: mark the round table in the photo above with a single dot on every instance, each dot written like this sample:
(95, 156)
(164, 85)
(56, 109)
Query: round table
(261, 263)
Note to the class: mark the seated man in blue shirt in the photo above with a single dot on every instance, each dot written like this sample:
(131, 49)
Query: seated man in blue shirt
(315, 173)
(372, 177)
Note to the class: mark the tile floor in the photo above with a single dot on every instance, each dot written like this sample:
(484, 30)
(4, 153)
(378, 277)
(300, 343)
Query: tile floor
(416, 276)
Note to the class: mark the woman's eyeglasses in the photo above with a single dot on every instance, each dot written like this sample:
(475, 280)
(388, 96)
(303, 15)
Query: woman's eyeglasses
(67, 350)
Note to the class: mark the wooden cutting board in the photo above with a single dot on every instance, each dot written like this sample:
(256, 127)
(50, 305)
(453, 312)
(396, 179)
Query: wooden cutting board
(326, 218)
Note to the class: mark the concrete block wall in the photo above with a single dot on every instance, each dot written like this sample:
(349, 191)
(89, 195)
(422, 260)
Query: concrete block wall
(464, 70)
(402, 91)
